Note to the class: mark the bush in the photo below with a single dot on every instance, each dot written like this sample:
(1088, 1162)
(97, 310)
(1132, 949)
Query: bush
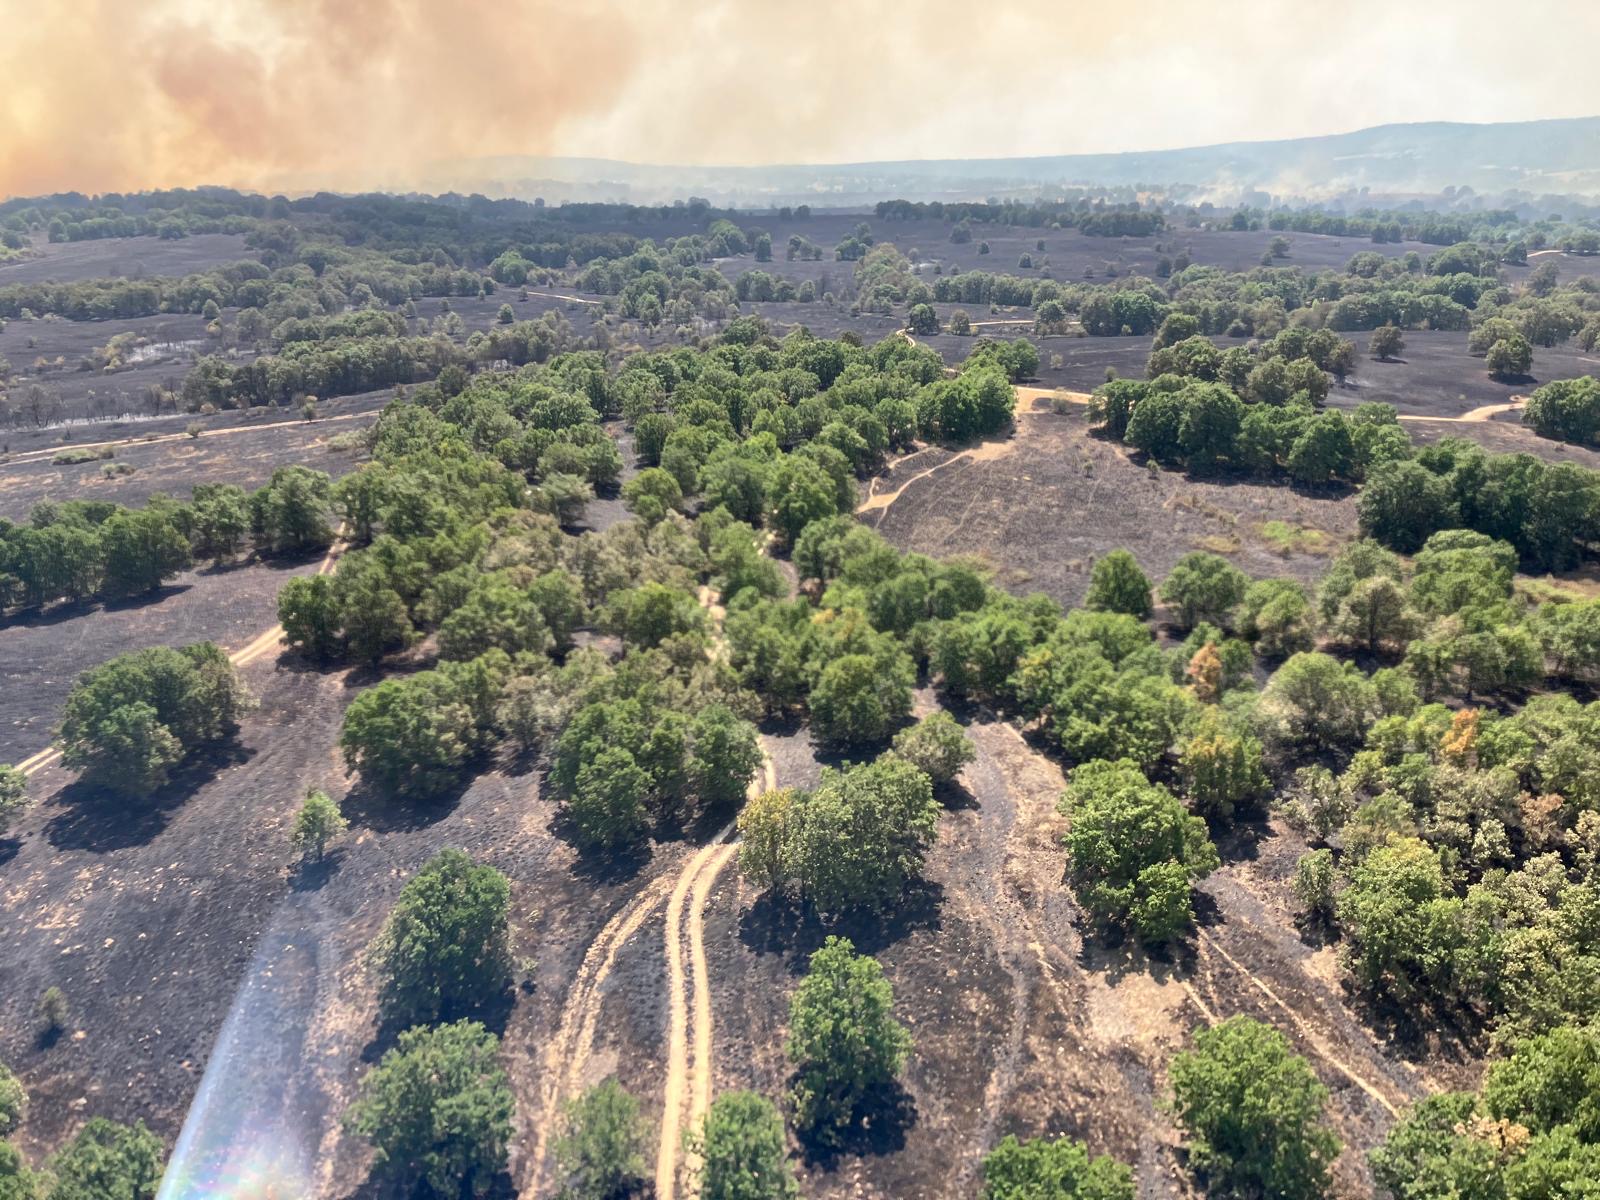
(318, 822)
(445, 948)
(13, 796)
(1118, 585)
(128, 722)
(600, 1152)
(51, 1014)
(936, 746)
(1052, 1169)
(108, 1161)
(742, 1151)
(1133, 850)
(843, 1039)
(437, 1108)
(1253, 1113)
(13, 1102)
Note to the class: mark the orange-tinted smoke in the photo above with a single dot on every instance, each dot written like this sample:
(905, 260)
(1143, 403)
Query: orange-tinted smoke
(103, 95)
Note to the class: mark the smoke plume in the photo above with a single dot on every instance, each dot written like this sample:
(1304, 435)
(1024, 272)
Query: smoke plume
(104, 95)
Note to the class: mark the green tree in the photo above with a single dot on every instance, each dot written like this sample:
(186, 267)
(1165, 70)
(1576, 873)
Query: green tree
(13, 1101)
(1253, 1112)
(437, 1108)
(724, 755)
(936, 746)
(742, 1151)
(859, 837)
(600, 1151)
(843, 1039)
(1386, 343)
(1566, 409)
(652, 494)
(108, 1161)
(1402, 928)
(607, 803)
(1118, 585)
(445, 948)
(1133, 850)
(309, 611)
(142, 551)
(318, 822)
(13, 799)
(17, 1182)
(923, 320)
(1221, 768)
(1314, 882)
(128, 722)
(1316, 700)
(1510, 357)
(290, 514)
(374, 616)
(1203, 587)
(1403, 504)
(1052, 1169)
(410, 736)
(858, 697)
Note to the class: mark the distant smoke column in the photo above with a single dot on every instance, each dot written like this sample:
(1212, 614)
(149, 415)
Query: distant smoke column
(246, 1137)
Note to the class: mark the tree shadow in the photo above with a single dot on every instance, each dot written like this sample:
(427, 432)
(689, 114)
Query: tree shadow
(370, 806)
(1241, 841)
(56, 614)
(886, 1114)
(308, 875)
(493, 1013)
(381, 1185)
(10, 847)
(1115, 954)
(98, 820)
(794, 929)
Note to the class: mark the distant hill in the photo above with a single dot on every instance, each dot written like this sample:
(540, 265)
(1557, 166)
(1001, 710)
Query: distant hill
(1531, 158)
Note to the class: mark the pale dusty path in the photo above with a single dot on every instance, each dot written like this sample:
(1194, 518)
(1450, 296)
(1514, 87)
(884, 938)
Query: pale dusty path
(256, 648)
(692, 893)
(25, 457)
(1477, 415)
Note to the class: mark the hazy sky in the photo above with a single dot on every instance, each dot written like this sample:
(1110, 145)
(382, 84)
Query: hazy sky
(122, 94)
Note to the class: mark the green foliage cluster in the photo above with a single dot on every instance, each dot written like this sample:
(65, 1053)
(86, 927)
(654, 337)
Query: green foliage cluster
(128, 722)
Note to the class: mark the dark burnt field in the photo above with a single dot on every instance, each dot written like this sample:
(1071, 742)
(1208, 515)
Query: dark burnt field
(130, 258)
(156, 922)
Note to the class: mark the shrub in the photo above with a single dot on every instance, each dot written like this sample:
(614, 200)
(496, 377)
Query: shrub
(936, 746)
(600, 1152)
(1253, 1112)
(445, 947)
(1052, 1169)
(437, 1108)
(128, 722)
(843, 1039)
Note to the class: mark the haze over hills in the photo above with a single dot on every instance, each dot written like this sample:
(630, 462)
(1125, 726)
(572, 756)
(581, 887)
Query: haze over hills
(1523, 159)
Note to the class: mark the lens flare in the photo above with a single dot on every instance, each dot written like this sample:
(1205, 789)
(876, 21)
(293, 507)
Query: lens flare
(250, 1129)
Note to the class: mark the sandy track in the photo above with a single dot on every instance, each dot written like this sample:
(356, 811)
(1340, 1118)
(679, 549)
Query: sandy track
(1477, 415)
(256, 648)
